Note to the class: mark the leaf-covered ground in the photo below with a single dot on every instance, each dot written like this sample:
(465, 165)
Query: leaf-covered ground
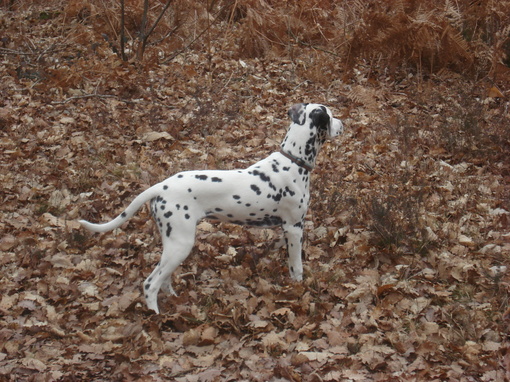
(407, 236)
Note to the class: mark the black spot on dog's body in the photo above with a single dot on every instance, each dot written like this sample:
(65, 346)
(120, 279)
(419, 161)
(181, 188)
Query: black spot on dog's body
(123, 215)
(216, 179)
(168, 229)
(291, 193)
(201, 177)
(277, 197)
(262, 176)
(266, 221)
(168, 214)
(255, 188)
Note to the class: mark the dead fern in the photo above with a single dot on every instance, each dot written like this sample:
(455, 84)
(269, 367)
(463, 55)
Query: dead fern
(415, 34)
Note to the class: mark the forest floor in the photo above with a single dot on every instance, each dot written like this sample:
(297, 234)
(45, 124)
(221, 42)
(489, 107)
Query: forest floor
(407, 236)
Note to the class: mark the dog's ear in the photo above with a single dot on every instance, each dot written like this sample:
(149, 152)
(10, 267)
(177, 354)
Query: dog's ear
(297, 113)
(320, 117)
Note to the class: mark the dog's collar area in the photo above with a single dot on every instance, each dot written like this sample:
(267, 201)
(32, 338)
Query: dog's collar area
(300, 162)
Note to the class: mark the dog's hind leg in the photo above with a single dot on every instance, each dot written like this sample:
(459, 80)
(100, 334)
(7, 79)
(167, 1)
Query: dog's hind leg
(176, 248)
(293, 238)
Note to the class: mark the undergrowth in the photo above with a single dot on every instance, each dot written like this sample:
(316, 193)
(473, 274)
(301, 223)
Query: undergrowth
(423, 37)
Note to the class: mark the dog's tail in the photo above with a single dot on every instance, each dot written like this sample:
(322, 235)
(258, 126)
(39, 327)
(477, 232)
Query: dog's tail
(135, 205)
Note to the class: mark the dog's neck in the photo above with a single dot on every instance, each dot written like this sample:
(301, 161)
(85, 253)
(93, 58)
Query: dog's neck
(302, 144)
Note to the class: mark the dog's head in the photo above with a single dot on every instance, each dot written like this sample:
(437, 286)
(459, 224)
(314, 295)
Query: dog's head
(318, 116)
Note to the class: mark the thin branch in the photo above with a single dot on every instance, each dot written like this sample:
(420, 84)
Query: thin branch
(122, 31)
(196, 38)
(144, 18)
(50, 49)
(301, 42)
(112, 28)
(67, 100)
(165, 36)
(144, 36)
(16, 52)
(159, 18)
(104, 96)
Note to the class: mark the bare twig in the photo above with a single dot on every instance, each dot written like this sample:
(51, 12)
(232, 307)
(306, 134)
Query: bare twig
(104, 96)
(179, 52)
(159, 17)
(122, 31)
(16, 52)
(94, 95)
(51, 49)
(144, 17)
(301, 42)
(144, 36)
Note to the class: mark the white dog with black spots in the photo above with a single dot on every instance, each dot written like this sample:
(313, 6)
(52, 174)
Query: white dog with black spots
(272, 192)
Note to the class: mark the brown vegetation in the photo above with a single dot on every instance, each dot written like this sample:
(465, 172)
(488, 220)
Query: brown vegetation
(407, 245)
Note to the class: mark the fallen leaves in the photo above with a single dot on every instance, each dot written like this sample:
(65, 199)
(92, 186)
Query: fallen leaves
(406, 241)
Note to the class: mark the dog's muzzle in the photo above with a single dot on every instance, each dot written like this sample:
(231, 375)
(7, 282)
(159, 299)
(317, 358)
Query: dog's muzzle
(336, 128)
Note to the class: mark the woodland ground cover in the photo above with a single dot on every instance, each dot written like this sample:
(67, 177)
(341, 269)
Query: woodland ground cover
(407, 235)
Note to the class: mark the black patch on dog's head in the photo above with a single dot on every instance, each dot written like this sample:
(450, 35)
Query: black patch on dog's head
(320, 117)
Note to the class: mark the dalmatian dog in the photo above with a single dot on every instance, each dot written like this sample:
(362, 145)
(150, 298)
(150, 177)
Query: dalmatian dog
(272, 192)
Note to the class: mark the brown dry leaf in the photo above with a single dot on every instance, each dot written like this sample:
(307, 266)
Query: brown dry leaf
(209, 336)
(34, 364)
(494, 92)
(155, 135)
(274, 341)
(7, 242)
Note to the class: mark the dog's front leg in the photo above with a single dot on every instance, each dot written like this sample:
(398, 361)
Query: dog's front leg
(294, 239)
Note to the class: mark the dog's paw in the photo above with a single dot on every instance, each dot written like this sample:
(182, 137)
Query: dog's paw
(296, 276)
(152, 304)
(167, 288)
